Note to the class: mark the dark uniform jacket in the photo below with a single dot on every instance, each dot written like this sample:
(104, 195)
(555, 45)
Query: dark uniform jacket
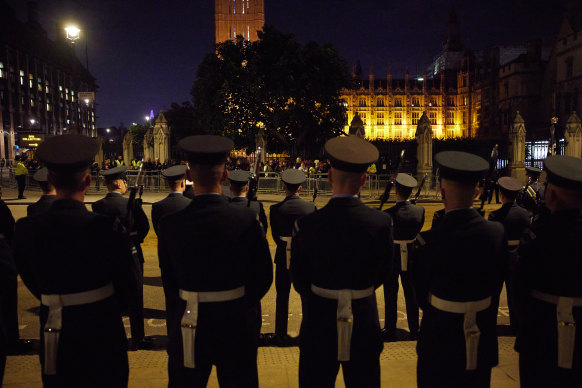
(437, 217)
(515, 220)
(463, 260)
(550, 261)
(256, 207)
(6, 222)
(74, 251)
(115, 204)
(345, 245)
(41, 205)
(7, 274)
(173, 203)
(214, 246)
(283, 216)
(408, 220)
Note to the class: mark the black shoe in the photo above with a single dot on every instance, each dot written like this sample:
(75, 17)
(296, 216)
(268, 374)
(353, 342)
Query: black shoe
(22, 197)
(266, 339)
(388, 336)
(21, 346)
(285, 340)
(146, 343)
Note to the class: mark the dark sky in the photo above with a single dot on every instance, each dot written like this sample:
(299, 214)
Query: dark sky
(144, 53)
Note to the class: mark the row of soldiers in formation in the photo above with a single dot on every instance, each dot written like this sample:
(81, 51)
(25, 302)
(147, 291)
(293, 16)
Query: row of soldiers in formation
(335, 257)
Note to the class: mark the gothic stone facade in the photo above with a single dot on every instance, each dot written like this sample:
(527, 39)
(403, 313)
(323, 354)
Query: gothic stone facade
(238, 17)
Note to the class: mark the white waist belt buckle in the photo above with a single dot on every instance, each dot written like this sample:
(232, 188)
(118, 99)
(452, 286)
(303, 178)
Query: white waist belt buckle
(287, 239)
(566, 332)
(403, 253)
(188, 323)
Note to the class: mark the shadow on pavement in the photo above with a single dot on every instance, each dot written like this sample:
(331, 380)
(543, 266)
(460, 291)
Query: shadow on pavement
(154, 281)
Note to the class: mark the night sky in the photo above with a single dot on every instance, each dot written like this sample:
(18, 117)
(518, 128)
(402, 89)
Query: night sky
(144, 53)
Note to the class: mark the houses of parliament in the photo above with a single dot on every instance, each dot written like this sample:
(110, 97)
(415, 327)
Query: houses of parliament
(464, 93)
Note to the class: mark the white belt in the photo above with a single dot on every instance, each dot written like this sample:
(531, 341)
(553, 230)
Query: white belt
(190, 317)
(345, 317)
(566, 325)
(54, 323)
(287, 239)
(472, 333)
(403, 253)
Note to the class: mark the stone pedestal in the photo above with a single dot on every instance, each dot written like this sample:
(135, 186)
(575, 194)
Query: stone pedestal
(424, 151)
(128, 149)
(517, 141)
(161, 135)
(148, 145)
(573, 135)
(99, 156)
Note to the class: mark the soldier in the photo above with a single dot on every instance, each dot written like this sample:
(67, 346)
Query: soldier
(532, 197)
(457, 273)
(239, 186)
(175, 201)
(408, 221)
(219, 285)
(8, 276)
(437, 218)
(283, 216)
(515, 220)
(114, 204)
(547, 283)
(339, 256)
(48, 196)
(82, 286)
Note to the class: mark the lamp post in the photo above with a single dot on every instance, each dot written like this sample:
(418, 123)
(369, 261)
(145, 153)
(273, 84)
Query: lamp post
(73, 34)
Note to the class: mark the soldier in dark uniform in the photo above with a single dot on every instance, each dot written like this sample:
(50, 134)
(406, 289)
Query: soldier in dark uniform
(49, 194)
(175, 201)
(189, 190)
(239, 186)
(532, 196)
(457, 272)
(82, 286)
(515, 220)
(408, 221)
(547, 284)
(114, 204)
(7, 276)
(283, 216)
(437, 218)
(339, 256)
(219, 285)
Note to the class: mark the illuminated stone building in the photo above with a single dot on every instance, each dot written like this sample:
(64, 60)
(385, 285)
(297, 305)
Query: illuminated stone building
(238, 17)
(40, 81)
(390, 108)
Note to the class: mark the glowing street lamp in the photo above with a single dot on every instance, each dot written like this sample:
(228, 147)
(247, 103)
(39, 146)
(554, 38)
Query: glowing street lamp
(73, 33)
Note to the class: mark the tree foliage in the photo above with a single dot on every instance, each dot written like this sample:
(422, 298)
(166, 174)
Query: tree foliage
(290, 90)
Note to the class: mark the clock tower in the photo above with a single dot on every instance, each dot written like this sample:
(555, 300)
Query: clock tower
(238, 17)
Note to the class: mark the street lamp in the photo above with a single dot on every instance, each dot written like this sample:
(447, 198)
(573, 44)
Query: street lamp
(73, 34)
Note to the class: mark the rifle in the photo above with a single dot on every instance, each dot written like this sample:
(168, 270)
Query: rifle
(254, 179)
(419, 189)
(133, 201)
(384, 197)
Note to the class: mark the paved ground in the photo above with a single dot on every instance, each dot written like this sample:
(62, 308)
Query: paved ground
(277, 366)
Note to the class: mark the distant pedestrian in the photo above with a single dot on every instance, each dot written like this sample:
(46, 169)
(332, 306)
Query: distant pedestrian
(20, 173)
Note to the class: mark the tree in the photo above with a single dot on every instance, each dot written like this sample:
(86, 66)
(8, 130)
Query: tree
(293, 92)
(182, 119)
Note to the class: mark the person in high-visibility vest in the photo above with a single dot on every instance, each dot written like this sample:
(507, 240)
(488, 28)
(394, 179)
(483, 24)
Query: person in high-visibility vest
(119, 161)
(135, 163)
(20, 173)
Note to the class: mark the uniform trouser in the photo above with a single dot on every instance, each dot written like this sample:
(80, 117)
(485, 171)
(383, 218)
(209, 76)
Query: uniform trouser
(513, 321)
(21, 182)
(428, 376)
(391, 301)
(229, 374)
(536, 373)
(8, 310)
(317, 374)
(283, 287)
(136, 311)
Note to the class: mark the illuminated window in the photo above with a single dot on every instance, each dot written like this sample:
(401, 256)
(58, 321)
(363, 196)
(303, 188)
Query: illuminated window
(380, 102)
(398, 118)
(451, 101)
(450, 119)
(362, 102)
(398, 133)
(48, 107)
(398, 102)
(248, 32)
(234, 7)
(465, 100)
(415, 101)
(243, 7)
(433, 102)
(31, 102)
(464, 117)
(21, 77)
(415, 117)
(380, 119)
(1, 70)
(433, 117)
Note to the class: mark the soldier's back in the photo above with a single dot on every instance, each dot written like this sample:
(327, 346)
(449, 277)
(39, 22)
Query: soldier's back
(40, 206)
(173, 203)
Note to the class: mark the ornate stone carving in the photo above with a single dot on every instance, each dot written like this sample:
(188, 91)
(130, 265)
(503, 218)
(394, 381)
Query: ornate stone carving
(357, 127)
(573, 135)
